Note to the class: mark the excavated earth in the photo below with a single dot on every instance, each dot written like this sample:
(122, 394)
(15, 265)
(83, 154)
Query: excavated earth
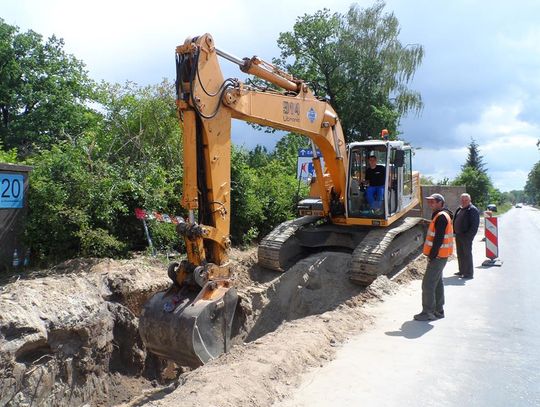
(69, 335)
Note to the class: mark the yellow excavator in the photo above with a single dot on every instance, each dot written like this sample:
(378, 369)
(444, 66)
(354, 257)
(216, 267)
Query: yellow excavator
(190, 323)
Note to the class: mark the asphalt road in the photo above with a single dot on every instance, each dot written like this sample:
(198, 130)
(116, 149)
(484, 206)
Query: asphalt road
(486, 352)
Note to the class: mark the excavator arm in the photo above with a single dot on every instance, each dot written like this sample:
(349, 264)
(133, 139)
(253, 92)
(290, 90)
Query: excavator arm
(204, 97)
(190, 323)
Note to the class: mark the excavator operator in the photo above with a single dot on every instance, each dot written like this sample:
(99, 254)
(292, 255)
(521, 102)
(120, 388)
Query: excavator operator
(375, 176)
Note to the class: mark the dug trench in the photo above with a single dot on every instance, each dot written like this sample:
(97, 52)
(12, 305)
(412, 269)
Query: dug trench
(69, 335)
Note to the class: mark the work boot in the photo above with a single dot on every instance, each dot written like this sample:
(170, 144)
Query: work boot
(425, 316)
(439, 314)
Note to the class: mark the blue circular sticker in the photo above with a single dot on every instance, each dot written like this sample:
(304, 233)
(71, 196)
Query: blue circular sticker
(312, 115)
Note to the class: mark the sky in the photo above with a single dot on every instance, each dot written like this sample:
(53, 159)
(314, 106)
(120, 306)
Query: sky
(480, 77)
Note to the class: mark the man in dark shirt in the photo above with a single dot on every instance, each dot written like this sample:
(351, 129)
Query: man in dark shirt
(375, 176)
(466, 221)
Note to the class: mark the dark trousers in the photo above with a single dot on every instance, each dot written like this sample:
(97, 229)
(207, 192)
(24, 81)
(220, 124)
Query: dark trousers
(433, 287)
(464, 255)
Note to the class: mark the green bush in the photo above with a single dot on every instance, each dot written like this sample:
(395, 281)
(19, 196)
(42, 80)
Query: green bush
(99, 243)
(7, 156)
(262, 197)
(164, 236)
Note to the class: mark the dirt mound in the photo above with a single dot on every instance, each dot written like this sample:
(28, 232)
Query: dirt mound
(314, 285)
(61, 335)
(72, 339)
(263, 371)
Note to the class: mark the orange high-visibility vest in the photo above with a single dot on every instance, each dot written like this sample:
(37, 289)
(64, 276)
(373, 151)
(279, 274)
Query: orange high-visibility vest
(447, 246)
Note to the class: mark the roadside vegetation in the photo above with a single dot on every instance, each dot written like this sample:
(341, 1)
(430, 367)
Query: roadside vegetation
(100, 150)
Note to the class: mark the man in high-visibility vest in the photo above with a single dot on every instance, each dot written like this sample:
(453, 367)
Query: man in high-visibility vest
(438, 247)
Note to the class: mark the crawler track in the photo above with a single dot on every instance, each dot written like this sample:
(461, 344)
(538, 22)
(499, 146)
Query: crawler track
(383, 249)
(279, 250)
(378, 253)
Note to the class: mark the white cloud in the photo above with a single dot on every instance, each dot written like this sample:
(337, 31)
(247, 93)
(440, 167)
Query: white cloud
(498, 120)
(518, 42)
(506, 142)
(439, 164)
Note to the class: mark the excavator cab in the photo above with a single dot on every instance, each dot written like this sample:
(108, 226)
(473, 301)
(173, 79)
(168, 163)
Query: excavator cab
(379, 183)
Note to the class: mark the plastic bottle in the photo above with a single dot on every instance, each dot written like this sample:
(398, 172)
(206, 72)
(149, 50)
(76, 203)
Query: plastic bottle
(26, 261)
(16, 260)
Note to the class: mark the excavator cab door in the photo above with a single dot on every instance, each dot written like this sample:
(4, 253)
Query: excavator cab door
(406, 187)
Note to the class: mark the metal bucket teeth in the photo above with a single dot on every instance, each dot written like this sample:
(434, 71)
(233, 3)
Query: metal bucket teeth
(177, 326)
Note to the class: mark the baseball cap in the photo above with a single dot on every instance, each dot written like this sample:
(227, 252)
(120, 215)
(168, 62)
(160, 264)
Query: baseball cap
(437, 197)
(372, 154)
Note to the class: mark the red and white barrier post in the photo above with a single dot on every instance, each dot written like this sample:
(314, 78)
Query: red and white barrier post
(492, 240)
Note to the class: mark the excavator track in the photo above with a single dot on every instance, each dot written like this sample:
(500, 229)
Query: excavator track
(383, 249)
(279, 249)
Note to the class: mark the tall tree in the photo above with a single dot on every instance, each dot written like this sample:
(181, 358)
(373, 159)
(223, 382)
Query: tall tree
(475, 178)
(43, 91)
(532, 187)
(357, 61)
(140, 124)
(474, 159)
(477, 184)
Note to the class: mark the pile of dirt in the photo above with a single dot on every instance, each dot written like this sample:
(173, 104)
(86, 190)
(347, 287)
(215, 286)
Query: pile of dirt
(69, 336)
(295, 321)
(63, 333)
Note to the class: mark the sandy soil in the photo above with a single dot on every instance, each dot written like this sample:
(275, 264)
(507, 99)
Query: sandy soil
(286, 323)
(298, 320)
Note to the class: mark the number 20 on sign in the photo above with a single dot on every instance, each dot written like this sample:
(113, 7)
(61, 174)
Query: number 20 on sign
(11, 190)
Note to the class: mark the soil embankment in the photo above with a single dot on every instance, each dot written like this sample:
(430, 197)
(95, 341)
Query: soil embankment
(72, 339)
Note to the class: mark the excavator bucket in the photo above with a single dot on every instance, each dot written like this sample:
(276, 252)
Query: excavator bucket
(187, 327)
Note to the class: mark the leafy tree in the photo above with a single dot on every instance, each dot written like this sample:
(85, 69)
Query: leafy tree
(278, 191)
(258, 157)
(44, 92)
(246, 207)
(495, 196)
(71, 205)
(474, 159)
(84, 192)
(425, 180)
(141, 137)
(356, 61)
(514, 196)
(444, 181)
(286, 151)
(140, 124)
(261, 197)
(7, 156)
(532, 187)
(477, 184)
